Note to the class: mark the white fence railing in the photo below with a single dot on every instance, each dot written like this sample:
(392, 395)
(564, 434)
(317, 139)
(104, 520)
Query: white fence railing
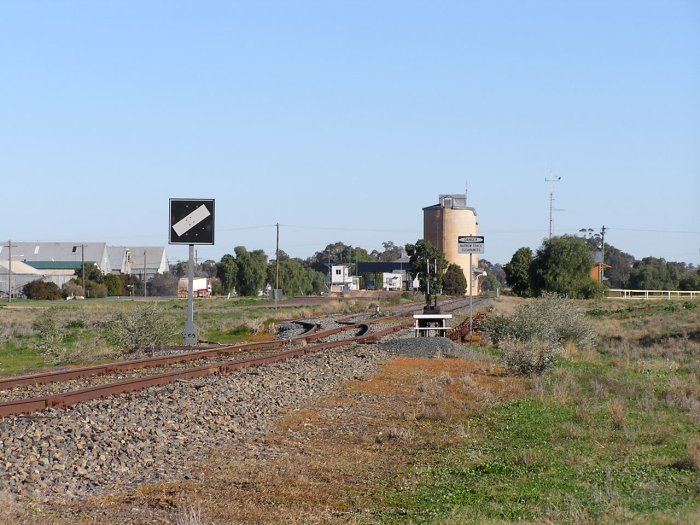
(651, 294)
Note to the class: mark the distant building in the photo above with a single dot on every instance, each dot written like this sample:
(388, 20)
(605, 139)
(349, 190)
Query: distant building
(341, 280)
(444, 222)
(22, 274)
(400, 267)
(146, 261)
(61, 255)
(119, 259)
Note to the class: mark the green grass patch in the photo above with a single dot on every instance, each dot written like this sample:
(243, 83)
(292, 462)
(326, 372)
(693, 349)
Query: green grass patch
(15, 360)
(593, 443)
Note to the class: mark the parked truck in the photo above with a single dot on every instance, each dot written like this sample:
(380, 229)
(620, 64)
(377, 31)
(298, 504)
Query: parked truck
(201, 287)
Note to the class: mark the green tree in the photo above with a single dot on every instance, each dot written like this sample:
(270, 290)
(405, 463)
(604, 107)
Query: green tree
(92, 273)
(207, 268)
(620, 266)
(424, 260)
(391, 252)
(42, 290)
(295, 278)
(163, 285)
(517, 272)
(690, 281)
(115, 286)
(337, 253)
(95, 290)
(454, 281)
(179, 269)
(252, 271)
(563, 265)
(652, 273)
(226, 271)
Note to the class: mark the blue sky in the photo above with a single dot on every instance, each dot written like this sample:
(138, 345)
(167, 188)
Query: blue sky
(341, 120)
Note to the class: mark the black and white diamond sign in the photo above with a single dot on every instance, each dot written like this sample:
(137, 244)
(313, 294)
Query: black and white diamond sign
(191, 221)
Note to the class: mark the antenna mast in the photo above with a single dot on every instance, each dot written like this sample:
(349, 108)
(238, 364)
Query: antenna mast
(551, 200)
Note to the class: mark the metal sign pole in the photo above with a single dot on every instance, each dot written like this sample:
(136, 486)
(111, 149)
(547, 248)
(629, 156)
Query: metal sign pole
(190, 330)
(471, 302)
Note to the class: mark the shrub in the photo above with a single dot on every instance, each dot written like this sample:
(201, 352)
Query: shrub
(96, 290)
(42, 290)
(73, 289)
(527, 358)
(50, 344)
(146, 327)
(495, 326)
(538, 329)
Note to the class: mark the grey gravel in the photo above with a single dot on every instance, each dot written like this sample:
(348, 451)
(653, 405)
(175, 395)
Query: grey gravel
(152, 436)
(427, 347)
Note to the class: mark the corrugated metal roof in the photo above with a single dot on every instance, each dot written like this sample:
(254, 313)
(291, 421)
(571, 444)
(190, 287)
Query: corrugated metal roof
(18, 268)
(56, 265)
(155, 257)
(63, 254)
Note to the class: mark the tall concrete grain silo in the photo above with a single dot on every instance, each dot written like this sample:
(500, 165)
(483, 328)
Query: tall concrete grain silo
(444, 222)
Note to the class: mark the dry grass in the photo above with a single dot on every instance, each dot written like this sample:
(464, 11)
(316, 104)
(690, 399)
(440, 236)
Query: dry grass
(324, 463)
(507, 305)
(10, 510)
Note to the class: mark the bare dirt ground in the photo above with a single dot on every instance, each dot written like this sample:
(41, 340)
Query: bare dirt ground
(324, 463)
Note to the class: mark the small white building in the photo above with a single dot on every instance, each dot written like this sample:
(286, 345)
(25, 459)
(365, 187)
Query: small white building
(392, 281)
(342, 281)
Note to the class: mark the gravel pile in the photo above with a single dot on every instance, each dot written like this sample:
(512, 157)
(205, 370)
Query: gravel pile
(427, 347)
(151, 436)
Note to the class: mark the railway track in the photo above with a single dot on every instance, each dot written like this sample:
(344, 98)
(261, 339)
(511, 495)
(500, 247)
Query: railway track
(164, 370)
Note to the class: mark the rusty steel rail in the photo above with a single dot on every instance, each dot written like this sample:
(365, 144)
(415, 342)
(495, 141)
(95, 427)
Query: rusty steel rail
(23, 406)
(45, 378)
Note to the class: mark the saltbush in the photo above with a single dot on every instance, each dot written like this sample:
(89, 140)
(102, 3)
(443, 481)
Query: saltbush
(536, 332)
(146, 327)
(50, 343)
(532, 357)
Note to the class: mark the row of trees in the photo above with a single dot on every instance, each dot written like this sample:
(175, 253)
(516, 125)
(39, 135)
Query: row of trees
(563, 265)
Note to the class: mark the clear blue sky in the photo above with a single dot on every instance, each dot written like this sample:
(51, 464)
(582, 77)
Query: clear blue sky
(341, 120)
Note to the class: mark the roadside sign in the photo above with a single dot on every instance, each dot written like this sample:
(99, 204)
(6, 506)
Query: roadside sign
(470, 244)
(191, 221)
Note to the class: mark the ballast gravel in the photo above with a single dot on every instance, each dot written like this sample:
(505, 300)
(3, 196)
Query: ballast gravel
(153, 436)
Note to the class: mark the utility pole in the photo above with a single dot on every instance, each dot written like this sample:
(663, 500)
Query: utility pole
(144, 273)
(602, 253)
(82, 263)
(551, 201)
(9, 271)
(277, 261)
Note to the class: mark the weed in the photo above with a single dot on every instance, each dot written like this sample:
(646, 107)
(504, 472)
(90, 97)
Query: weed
(617, 412)
(189, 515)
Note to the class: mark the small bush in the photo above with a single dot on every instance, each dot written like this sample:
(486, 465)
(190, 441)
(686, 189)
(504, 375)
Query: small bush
(146, 327)
(50, 344)
(496, 327)
(539, 328)
(528, 358)
(42, 290)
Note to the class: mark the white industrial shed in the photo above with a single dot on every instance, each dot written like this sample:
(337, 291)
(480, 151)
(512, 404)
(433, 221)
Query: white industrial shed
(59, 255)
(150, 260)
